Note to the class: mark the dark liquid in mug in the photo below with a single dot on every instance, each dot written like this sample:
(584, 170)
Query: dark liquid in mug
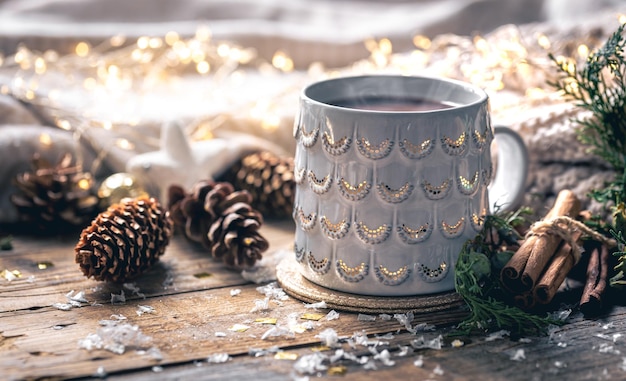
(391, 104)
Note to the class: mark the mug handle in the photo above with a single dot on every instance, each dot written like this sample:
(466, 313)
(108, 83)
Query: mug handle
(507, 187)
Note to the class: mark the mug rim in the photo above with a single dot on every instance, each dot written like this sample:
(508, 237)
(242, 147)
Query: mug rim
(481, 94)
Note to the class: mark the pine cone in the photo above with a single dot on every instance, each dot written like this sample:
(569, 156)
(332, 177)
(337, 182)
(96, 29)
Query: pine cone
(235, 236)
(270, 181)
(55, 198)
(187, 211)
(124, 241)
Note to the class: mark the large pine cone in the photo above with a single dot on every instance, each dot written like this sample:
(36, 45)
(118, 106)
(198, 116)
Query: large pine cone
(124, 241)
(187, 211)
(269, 179)
(55, 198)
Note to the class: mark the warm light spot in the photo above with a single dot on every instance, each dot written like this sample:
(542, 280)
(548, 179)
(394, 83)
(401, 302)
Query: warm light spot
(583, 51)
(84, 184)
(4, 89)
(113, 70)
(223, 50)
(143, 42)
(124, 144)
(270, 122)
(481, 44)
(171, 37)
(54, 94)
(203, 33)
(544, 41)
(621, 19)
(64, 124)
(155, 43)
(422, 42)
(371, 44)
(197, 56)
(136, 54)
(203, 67)
(535, 93)
(45, 139)
(82, 49)
(107, 125)
(90, 83)
(40, 65)
(30, 95)
(282, 61)
(1, 59)
(117, 41)
(385, 46)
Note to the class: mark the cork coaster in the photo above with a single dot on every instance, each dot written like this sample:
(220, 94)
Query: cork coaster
(294, 284)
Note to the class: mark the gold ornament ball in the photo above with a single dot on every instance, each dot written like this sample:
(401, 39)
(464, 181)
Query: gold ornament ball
(118, 186)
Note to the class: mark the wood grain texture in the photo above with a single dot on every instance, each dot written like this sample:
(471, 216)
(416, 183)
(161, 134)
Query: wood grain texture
(39, 341)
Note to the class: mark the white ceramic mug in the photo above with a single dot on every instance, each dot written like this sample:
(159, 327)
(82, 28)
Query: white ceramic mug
(393, 177)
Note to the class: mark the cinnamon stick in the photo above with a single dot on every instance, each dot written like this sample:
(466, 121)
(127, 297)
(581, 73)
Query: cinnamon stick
(560, 265)
(597, 272)
(528, 263)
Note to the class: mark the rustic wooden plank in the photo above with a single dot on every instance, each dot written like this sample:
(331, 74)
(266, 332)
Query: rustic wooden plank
(177, 271)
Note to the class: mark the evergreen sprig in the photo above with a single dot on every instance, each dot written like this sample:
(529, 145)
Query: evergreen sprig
(477, 280)
(600, 88)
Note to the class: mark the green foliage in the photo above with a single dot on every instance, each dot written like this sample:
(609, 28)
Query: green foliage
(600, 88)
(477, 280)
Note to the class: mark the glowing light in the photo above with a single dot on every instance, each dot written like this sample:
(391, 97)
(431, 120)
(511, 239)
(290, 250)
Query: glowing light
(45, 139)
(124, 144)
(84, 184)
(82, 49)
(385, 46)
(282, 61)
(4, 89)
(90, 83)
(422, 42)
(481, 44)
(117, 41)
(621, 19)
(583, 51)
(143, 42)
(171, 37)
(203, 33)
(30, 95)
(203, 67)
(155, 43)
(543, 41)
(40, 65)
(64, 124)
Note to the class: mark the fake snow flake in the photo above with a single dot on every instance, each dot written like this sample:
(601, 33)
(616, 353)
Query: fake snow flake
(365, 317)
(73, 300)
(606, 348)
(404, 350)
(77, 297)
(560, 364)
(518, 355)
(623, 365)
(116, 337)
(385, 358)
(438, 370)
(421, 343)
(118, 299)
(419, 361)
(612, 338)
(220, 334)
(561, 315)
(100, 372)
(239, 328)
(261, 305)
(218, 358)
(132, 287)
(332, 315)
(10, 275)
(62, 306)
(497, 335)
(329, 337)
(157, 369)
(386, 336)
(144, 310)
(277, 331)
(370, 365)
(384, 317)
(256, 352)
(235, 292)
(272, 291)
(321, 305)
(311, 364)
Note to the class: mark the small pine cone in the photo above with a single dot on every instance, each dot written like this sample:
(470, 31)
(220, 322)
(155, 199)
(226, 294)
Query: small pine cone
(187, 211)
(235, 236)
(124, 241)
(270, 181)
(56, 198)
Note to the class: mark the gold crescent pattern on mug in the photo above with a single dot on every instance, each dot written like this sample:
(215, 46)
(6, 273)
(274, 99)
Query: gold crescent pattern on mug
(416, 151)
(452, 231)
(436, 192)
(334, 230)
(480, 140)
(308, 139)
(372, 151)
(391, 278)
(300, 253)
(353, 192)
(467, 186)
(432, 275)
(477, 221)
(319, 186)
(372, 236)
(455, 147)
(337, 148)
(321, 267)
(412, 236)
(394, 196)
(352, 274)
(307, 222)
(299, 175)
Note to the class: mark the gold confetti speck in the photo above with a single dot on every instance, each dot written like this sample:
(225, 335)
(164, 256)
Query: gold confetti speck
(10, 274)
(320, 348)
(457, 343)
(286, 356)
(203, 275)
(44, 265)
(337, 370)
(266, 320)
(312, 316)
(239, 328)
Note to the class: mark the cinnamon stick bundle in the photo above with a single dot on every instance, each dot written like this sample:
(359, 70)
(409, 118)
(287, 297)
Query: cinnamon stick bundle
(523, 271)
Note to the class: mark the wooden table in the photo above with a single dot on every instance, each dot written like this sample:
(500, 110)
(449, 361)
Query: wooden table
(188, 309)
